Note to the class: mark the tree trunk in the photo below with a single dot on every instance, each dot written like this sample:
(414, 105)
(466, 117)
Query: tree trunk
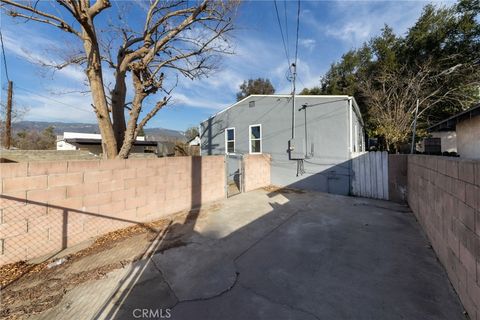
(118, 108)
(131, 131)
(94, 75)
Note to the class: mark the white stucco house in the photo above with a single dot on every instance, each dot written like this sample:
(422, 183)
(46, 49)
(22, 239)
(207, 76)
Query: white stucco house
(466, 125)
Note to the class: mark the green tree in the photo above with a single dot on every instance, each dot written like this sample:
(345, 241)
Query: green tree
(436, 62)
(255, 86)
(315, 91)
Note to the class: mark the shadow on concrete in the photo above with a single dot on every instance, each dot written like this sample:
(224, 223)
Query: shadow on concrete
(308, 256)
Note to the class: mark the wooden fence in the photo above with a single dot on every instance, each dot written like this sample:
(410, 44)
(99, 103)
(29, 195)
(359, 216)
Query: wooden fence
(370, 174)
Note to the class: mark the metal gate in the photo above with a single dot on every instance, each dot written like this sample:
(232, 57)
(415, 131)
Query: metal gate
(234, 174)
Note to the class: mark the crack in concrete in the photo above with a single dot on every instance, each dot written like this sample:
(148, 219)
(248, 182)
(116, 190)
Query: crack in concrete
(279, 303)
(165, 279)
(237, 275)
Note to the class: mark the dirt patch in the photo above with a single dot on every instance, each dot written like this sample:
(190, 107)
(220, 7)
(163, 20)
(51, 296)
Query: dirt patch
(31, 289)
(283, 190)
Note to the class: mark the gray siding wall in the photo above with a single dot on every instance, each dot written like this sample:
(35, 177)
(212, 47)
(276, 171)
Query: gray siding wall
(327, 167)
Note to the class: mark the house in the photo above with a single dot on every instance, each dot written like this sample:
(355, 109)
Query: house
(195, 141)
(314, 155)
(466, 125)
(93, 143)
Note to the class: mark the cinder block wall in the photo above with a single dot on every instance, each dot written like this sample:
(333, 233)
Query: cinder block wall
(48, 206)
(444, 194)
(257, 171)
(397, 177)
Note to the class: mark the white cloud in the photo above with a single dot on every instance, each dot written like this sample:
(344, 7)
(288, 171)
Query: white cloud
(29, 48)
(73, 107)
(354, 22)
(197, 102)
(353, 33)
(309, 44)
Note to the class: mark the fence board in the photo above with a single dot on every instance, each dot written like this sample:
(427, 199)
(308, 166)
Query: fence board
(379, 171)
(385, 175)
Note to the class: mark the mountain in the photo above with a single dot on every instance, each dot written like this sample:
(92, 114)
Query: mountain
(61, 127)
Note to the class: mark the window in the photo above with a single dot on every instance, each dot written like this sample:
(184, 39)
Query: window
(230, 140)
(255, 132)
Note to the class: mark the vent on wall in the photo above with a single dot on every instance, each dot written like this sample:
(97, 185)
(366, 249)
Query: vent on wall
(251, 104)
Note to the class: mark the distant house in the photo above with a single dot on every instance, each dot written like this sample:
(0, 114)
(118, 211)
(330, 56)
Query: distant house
(195, 141)
(439, 142)
(327, 131)
(93, 143)
(466, 126)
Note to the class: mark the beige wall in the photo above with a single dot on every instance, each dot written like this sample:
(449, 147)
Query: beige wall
(257, 171)
(449, 140)
(468, 138)
(47, 206)
(444, 194)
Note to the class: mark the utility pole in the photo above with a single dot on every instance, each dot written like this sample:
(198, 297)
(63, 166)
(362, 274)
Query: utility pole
(8, 118)
(294, 75)
(412, 151)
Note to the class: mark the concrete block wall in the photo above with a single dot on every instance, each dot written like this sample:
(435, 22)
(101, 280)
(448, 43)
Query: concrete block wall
(257, 171)
(48, 206)
(397, 177)
(444, 194)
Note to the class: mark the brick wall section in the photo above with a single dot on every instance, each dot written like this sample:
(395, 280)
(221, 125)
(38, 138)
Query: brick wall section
(47, 206)
(257, 171)
(444, 194)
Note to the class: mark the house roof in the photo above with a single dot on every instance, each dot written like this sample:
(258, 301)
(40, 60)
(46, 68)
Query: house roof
(450, 124)
(346, 97)
(86, 141)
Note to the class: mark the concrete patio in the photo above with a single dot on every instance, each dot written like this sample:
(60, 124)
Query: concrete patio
(281, 255)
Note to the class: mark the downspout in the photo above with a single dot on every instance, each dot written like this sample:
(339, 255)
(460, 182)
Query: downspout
(200, 136)
(350, 125)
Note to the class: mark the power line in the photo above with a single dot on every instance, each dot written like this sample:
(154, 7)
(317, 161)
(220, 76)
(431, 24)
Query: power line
(281, 32)
(286, 25)
(298, 27)
(51, 99)
(4, 57)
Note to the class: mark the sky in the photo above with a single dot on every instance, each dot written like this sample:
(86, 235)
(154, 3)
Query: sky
(327, 30)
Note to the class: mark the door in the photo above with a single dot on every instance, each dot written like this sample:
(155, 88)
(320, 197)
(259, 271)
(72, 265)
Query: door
(234, 174)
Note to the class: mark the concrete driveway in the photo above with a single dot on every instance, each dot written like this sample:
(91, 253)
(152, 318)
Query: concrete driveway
(277, 255)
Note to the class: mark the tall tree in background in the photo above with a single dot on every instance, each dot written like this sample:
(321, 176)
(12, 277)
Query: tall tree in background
(191, 133)
(436, 62)
(174, 38)
(255, 86)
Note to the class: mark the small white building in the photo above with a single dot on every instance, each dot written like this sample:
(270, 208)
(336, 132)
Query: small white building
(93, 143)
(195, 141)
(466, 125)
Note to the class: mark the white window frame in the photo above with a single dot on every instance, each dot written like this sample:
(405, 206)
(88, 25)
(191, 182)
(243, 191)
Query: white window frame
(234, 140)
(250, 138)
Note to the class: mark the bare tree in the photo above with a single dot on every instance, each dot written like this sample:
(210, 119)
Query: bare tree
(392, 95)
(176, 37)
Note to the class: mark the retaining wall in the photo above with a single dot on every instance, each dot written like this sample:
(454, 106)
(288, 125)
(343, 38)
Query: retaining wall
(444, 194)
(48, 206)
